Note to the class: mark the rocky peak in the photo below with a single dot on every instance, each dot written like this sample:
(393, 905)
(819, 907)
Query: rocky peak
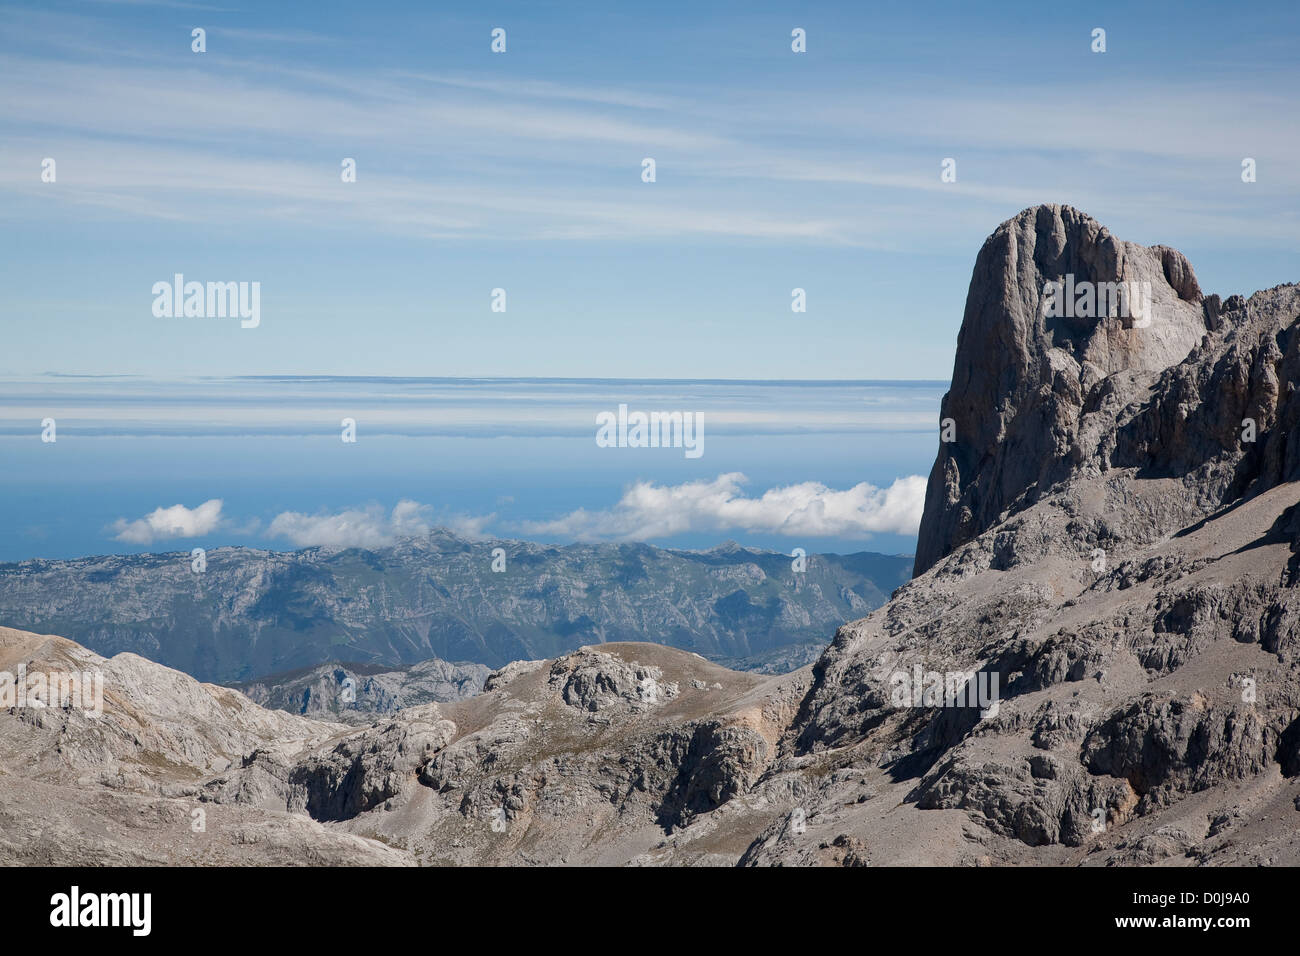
(1056, 305)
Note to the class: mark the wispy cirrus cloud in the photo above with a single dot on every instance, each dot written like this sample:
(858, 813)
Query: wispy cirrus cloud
(173, 4)
(775, 171)
(493, 157)
(273, 36)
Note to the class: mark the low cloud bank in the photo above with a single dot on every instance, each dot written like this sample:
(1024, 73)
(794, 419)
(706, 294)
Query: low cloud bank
(809, 509)
(369, 527)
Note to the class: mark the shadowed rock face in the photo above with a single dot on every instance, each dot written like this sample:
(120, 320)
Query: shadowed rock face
(1021, 377)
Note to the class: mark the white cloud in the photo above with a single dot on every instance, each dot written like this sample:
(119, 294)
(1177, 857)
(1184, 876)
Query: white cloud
(809, 509)
(469, 526)
(408, 518)
(368, 527)
(451, 164)
(177, 521)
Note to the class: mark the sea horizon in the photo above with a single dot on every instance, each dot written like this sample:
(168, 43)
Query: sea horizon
(781, 463)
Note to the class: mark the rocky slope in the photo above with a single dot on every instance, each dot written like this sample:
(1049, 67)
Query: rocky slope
(120, 787)
(254, 613)
(1103, 545)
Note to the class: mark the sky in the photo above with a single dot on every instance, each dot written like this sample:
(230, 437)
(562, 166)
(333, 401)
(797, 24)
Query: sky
(522, 171)
(502, 268)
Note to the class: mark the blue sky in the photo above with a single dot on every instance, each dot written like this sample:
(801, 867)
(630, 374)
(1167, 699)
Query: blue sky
(521, 171)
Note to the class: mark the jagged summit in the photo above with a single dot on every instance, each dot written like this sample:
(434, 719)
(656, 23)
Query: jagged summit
(729, 546)
(1064, 321)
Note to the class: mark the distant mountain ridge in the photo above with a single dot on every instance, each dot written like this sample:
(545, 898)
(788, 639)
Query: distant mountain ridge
(358, 693)
(253, 613)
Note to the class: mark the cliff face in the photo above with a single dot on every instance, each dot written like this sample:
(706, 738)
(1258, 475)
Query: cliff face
(1025, 371)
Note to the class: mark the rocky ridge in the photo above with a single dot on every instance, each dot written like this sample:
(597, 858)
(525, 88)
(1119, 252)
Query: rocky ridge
(256, 613)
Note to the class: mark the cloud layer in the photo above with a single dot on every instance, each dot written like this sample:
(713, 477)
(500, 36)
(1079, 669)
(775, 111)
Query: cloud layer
(247, 126)
(646, 511)
(177, 521)
(809, 509)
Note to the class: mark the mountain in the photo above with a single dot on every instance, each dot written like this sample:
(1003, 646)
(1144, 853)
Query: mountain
(253, 613)
(356, 693)
(1112, 536)
(1111, 560)
(1021, 379)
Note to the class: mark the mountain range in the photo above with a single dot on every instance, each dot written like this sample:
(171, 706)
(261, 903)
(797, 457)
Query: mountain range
(251, 613)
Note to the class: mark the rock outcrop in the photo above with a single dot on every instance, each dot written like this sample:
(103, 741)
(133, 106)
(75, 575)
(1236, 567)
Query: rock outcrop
(124, 786)
(1022, 379)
